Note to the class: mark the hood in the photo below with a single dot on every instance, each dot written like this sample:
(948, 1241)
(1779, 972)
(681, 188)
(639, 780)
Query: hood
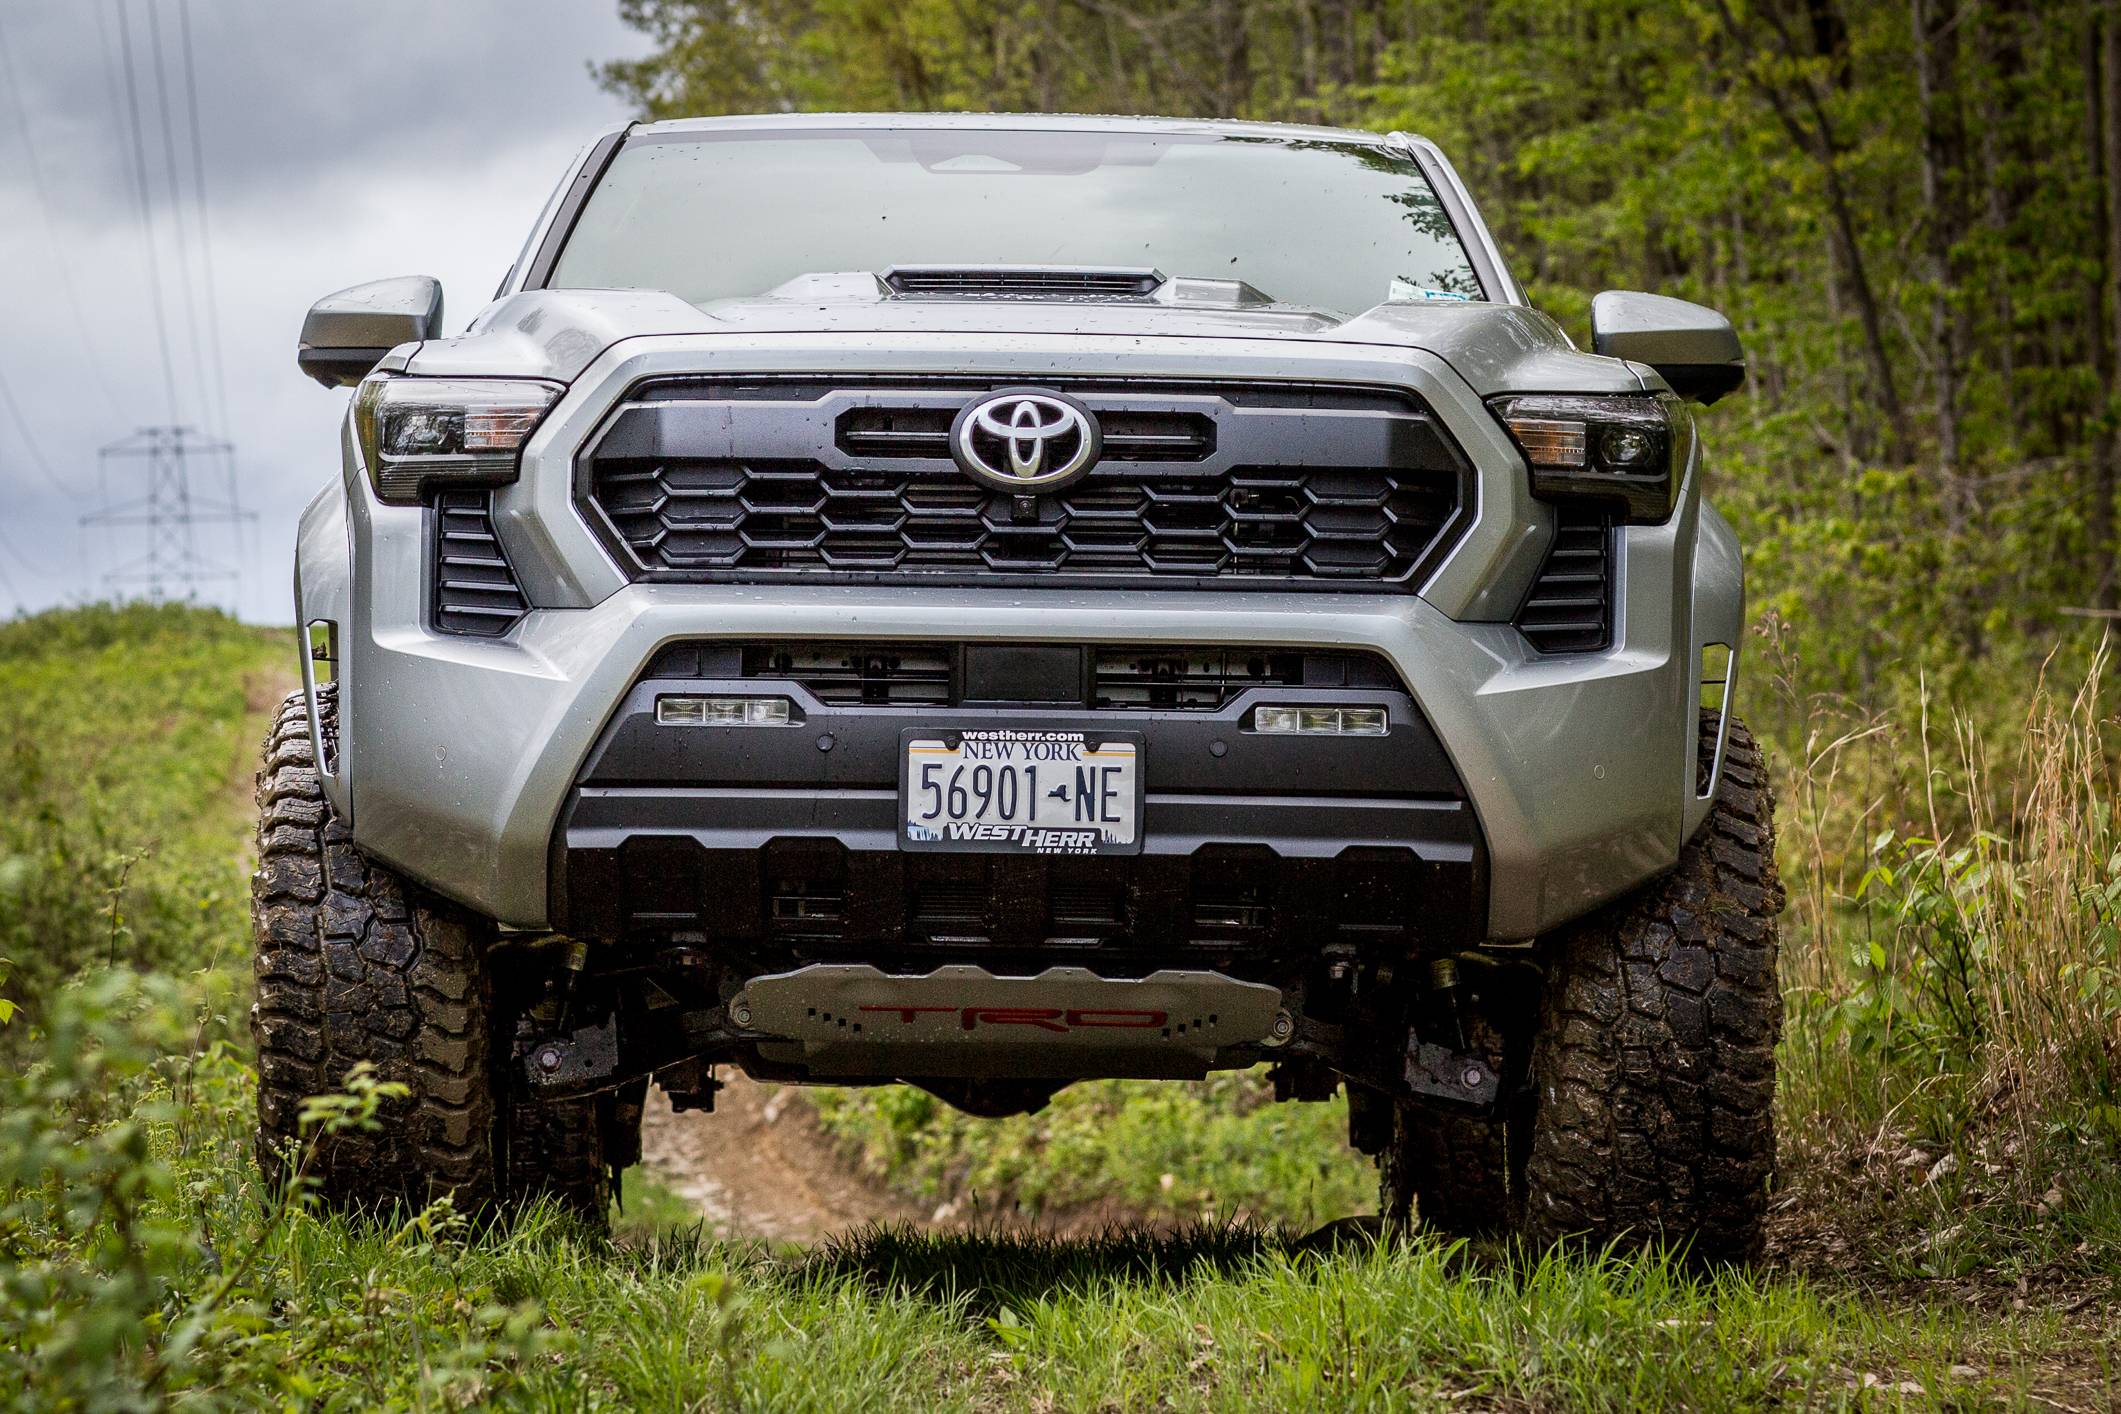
(556, 334)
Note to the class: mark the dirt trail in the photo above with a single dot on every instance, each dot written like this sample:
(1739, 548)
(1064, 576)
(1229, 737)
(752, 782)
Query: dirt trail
(759, 1167)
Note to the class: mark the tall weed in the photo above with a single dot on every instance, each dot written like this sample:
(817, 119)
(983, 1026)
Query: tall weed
(1956, 979)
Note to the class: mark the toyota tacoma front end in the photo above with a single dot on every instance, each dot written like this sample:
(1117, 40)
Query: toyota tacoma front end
(992, 602)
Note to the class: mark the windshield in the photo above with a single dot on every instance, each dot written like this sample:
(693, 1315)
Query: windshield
(711, 216)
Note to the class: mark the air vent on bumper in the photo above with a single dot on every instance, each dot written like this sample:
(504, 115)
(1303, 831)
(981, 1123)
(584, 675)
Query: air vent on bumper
(1570, 607)
(475, 590)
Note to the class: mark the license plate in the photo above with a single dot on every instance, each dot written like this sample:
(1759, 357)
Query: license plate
(1021, 792)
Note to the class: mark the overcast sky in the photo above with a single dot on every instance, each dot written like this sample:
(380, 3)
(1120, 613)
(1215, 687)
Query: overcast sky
(341, 143)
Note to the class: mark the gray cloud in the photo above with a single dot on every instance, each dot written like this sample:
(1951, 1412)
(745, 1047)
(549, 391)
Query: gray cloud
(342, 143)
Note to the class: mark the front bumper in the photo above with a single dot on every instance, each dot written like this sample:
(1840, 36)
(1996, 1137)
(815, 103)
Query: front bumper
(785, 840)
(465, 751)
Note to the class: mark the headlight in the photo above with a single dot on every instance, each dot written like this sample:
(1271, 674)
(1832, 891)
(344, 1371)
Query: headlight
(1628, 451)
(416, 433)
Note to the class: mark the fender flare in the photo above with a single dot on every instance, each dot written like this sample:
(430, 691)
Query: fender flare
(1718, 618)
(323, 596)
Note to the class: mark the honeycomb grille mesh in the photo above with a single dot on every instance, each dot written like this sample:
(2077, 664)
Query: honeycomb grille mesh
(1191, 488)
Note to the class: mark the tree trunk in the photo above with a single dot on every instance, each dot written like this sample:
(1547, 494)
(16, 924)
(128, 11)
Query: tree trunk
(1933, 77)
(1819, 138)
(2000, 64)
(2108, 592)
(2100, 133)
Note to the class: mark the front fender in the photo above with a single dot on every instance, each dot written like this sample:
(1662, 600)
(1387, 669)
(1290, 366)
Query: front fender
(1718, 617)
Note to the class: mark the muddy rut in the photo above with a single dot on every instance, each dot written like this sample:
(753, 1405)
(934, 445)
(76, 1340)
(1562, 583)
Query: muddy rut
(759, 1167)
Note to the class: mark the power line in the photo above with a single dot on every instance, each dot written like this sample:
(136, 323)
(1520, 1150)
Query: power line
(176, 208)
(12, 84)
(169, 513)
(206, 235)
(140, 194)
(12, 592)
(25, 561)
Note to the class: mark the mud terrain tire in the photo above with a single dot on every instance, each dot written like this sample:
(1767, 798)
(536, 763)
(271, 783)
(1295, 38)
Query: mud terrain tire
(1654, 1064)
(354, 964)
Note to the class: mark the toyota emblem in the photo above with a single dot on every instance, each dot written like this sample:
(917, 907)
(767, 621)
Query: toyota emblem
(1025, 440)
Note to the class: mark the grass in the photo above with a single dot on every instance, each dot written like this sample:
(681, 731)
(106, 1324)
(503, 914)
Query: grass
(1218, 1150)
(127, 737)
(143, 1261)
(422, 1311)
(1952, 1067)
(1225, 1318)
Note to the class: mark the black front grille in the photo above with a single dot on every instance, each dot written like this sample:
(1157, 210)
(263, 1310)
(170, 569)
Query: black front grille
(1188, 677)
(874, 674)
(1570, 607)
(900, 674)
(475, 590)
(1288, 485)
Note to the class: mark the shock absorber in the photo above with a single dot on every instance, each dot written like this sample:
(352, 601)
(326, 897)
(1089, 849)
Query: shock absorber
(1446, 998)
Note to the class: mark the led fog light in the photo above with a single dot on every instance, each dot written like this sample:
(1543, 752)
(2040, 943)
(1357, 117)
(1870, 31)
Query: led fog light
(723, 711)
(1321, 721)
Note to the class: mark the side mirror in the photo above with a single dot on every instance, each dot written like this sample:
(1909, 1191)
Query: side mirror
(347, 334)
(1694, 348)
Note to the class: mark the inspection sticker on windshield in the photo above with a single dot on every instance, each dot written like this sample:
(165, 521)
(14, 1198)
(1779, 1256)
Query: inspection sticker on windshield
(1021, 792)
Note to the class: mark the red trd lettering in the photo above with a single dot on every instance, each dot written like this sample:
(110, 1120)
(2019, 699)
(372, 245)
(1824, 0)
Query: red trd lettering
(1119, 1020)
(907, 1013)
(1044, 1018)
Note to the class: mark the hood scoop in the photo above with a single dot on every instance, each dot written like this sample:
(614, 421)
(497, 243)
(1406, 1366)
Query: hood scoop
(1023, 281)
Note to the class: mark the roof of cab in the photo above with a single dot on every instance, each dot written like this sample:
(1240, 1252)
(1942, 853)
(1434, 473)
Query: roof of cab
(1065, 122)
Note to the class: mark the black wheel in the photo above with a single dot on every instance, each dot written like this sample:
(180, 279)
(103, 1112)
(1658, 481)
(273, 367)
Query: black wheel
(1654, 1065)
(356, 965)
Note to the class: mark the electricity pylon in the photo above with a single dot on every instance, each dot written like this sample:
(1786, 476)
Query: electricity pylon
(169, 511)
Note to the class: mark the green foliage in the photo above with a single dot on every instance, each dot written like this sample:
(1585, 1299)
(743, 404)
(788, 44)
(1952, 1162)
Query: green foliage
(127, 735)
(1955, 992)
(95, 1244)
(1215, 1150)
(147, 1262)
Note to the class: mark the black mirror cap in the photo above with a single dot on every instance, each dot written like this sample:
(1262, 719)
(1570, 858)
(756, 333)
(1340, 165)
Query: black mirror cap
(1692, 347)
(347, 333)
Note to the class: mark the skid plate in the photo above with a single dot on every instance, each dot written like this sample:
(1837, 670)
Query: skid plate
(851, 1020)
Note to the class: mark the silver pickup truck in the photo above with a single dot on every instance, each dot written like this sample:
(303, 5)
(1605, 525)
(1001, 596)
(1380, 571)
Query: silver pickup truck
(989, 602)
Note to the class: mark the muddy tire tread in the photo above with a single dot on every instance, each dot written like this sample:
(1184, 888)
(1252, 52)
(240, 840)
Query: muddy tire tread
(353, 966)
(1654, 1065)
